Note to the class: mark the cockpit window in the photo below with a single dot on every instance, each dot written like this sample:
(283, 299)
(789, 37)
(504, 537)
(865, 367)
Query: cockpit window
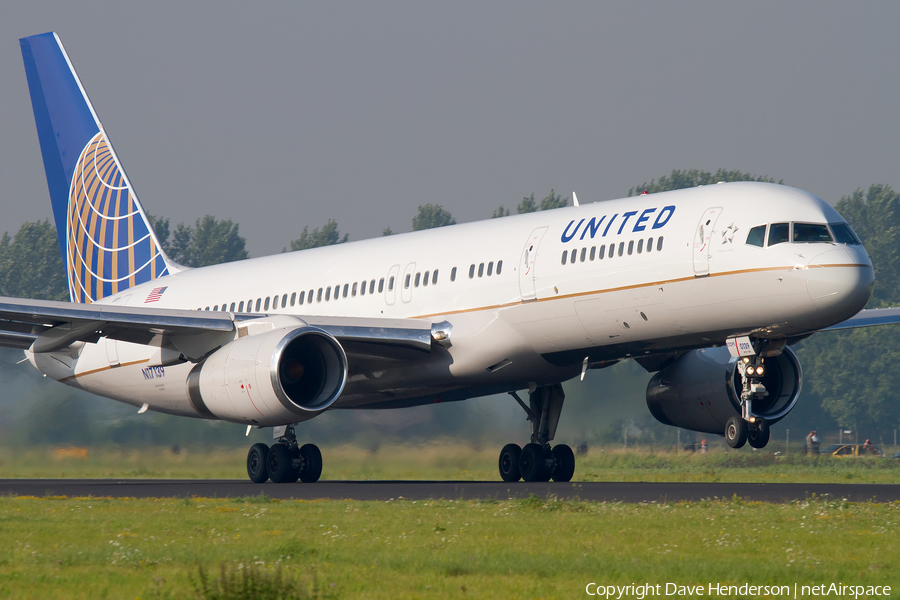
(757, 236)
(811, 232)
(843, 234)
(779, 233)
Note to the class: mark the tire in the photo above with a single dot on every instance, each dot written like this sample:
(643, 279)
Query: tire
(509, 463)
(256, 463)
(312, 463)
(736, 432)
(758, 436)
(533, 463)
(279, 463)
(564, 463)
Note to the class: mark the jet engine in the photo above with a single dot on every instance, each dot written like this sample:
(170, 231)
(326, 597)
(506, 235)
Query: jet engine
(282, 376)
(701, 390)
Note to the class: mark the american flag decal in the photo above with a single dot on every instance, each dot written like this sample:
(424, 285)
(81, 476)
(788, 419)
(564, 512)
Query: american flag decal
(155, 294)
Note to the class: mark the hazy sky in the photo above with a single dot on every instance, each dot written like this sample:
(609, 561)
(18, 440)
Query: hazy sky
(280, 115)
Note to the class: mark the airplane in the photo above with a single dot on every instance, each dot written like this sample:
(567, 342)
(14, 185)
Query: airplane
(706, 288)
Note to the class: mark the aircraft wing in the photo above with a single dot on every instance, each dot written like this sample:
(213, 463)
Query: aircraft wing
(48, 326)
(869, 318)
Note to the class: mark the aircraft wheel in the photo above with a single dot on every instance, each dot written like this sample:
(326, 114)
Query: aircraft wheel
(312, 463)
(533, 463)
(279, 464)
(736, 432)
(256, 463)
(758, 436)
(509, 463)
(564, 464)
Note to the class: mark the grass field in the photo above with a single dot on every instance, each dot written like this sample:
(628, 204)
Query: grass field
(128, 548)
(443, 460)
(105, 548)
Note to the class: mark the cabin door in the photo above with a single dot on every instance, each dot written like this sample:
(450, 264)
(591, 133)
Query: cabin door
(703, 240)
(526, 264)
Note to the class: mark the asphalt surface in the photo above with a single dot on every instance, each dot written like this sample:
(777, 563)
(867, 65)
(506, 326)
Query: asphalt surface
(448, 490)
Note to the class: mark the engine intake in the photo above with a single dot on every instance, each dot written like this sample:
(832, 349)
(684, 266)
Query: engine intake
(282, 376)
(700, 391)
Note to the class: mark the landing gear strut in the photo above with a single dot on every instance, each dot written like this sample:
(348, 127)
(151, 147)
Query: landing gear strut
(284, 462)
(748, 427)
(537, 461)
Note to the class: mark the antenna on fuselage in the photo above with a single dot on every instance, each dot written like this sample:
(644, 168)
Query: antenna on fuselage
(575, 199)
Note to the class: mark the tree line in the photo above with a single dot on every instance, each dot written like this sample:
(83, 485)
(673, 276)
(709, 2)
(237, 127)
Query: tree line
(850, 378)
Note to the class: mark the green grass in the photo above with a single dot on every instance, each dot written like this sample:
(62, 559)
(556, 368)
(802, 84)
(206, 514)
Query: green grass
(127, 548)
(446, 460)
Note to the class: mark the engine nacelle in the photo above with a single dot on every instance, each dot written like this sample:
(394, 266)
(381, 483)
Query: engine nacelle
(281, 376)
(701, 390)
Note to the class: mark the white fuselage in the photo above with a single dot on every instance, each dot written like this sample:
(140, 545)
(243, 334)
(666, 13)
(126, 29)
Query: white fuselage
(522, 310)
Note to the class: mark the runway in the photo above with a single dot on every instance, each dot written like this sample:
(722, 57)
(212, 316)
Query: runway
(447, 490)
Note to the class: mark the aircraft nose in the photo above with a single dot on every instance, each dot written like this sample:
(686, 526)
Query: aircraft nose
(840, 282)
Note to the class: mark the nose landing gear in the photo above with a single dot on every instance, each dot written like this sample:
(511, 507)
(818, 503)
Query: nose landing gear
(538, 461)
(748, 427)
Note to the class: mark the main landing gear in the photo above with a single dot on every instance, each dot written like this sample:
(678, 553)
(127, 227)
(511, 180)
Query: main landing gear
(537, 461)
(284, 462)
(747, 427)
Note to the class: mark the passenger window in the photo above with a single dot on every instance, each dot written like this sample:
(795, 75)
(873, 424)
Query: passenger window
(346, 289)
(621, 248)
(363, 286)
(490, 268)
(843, 234)
(583, 254)
(319, 295)
(573, 257)
(406, 282)
(216, 308)
(471, 271)
(649, 244)
(418, 279)
(593, 252)
(453, 274)
(284, 301)
(303, 297)
(434, 275)
(425, 279)
(640, 246)
(602, 251)
(499, 266)
(249, 305)
(266, 305)
(565, 257)
(811, 232)
(757, 236)
(309, 298)
(381, 285)
(232, 307)
(355, 287)
(241, 306)
(258, 302)
(293, 297)
(778, 233)
(327, 293)
(630, 247)
(481, 270)
(659, 243)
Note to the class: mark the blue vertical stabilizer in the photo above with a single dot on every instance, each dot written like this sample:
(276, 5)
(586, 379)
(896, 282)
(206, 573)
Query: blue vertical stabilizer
(106, 240)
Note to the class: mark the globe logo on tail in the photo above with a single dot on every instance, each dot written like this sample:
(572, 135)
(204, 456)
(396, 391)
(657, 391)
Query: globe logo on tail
(109, 247)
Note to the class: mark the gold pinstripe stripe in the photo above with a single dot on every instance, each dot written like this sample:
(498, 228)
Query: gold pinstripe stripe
(624, 288)
(106, 368)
